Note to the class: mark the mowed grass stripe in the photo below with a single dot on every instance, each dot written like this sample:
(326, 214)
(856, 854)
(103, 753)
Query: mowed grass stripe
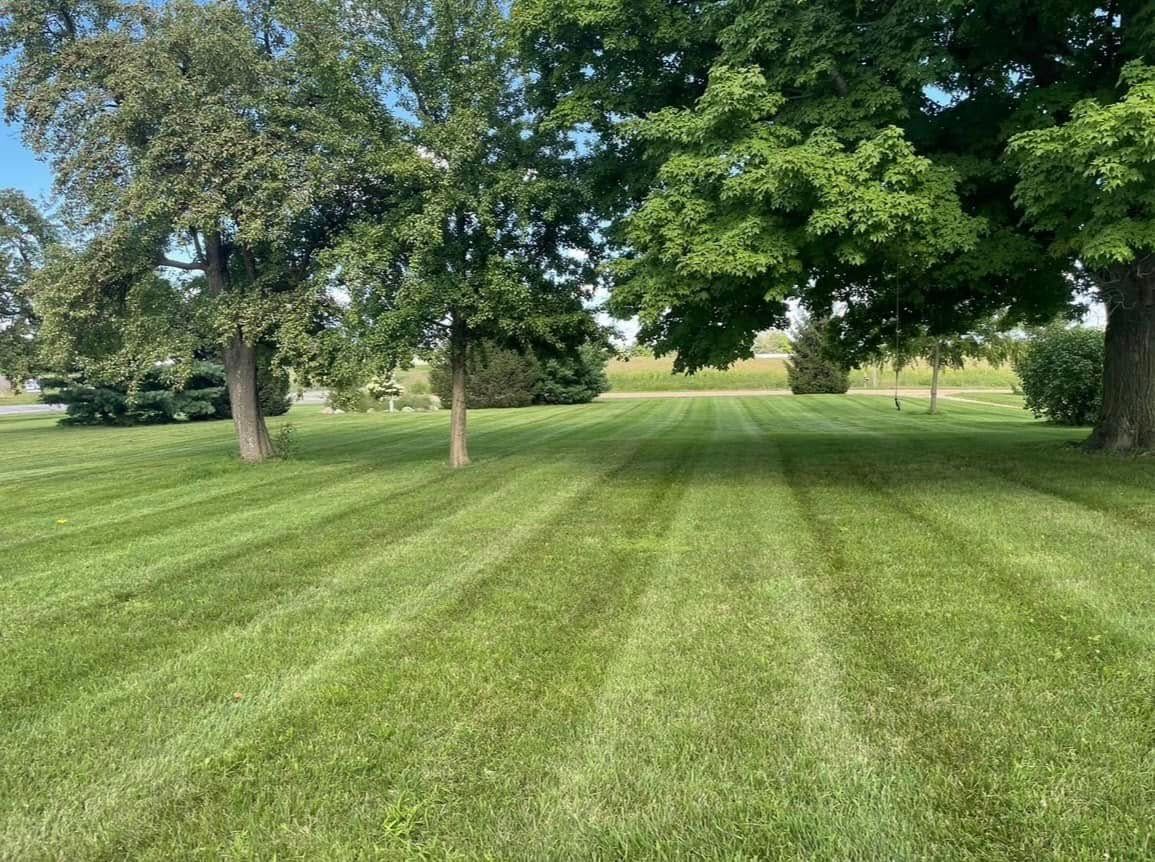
(938, 640)
(319, 612)
(723, 666)
(495, 656)
(718, 629)
(272, 566)
(317, 435)
(232, 509)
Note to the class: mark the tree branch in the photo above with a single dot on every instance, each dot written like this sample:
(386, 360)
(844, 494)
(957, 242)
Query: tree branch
(180, 264)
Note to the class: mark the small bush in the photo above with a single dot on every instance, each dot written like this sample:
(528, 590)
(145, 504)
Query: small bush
(811, 370)
(497, 377)
(1061, 371)
(350, 399)
(273, 385)
(158, 398)
(575, 379)
(285, 441)
(501, 377)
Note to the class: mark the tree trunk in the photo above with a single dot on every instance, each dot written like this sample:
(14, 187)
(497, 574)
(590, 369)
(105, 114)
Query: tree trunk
(1127, 421)
(458, 443)
(934, 377)
(240, 361)
(244, 399)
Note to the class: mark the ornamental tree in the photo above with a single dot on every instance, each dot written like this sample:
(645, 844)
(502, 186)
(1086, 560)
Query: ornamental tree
(488, 236)
(812, 369)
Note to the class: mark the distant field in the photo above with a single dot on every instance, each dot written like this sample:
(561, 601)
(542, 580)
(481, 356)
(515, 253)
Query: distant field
(645, 374)
(415, 380)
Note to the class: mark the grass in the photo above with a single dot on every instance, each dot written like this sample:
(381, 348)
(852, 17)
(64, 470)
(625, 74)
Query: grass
(749, 628)
(649, 374)
(1004, 398)
(19, 399)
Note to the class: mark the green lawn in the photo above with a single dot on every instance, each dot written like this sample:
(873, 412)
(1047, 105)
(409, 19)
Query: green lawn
(1004, 398)
(9, 399)
(767, 628)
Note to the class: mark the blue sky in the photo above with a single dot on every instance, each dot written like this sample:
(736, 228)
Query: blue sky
(19, 168)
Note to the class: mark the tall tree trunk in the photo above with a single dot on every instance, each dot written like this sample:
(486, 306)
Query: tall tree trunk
(1127, 421)
(244, 399)
(458, 443)
(240, 361)
(934, 377)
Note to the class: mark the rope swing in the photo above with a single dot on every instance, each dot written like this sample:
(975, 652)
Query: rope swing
(897, 340)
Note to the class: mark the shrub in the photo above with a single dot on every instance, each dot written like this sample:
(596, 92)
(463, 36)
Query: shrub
(1061, 371)
(351, 399)
(497, 377)
(811, 370)
(285, 441)
(273, 388)
(575, 379)
(501, 377)
(162, 395)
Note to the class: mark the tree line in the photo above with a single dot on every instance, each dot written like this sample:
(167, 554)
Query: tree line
(349, 183)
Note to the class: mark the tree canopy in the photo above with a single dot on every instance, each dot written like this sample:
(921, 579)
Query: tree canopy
(968, 110)
(353, 183)
(185, 137)
(492, 240)
(25, 237)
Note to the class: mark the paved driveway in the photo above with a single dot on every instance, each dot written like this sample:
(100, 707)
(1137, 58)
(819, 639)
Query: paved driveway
(9, 409)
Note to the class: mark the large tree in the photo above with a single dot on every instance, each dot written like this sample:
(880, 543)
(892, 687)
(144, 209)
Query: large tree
(940, 89)
(491, 239)
(188, 136)
(25, 237)
(1090, 182)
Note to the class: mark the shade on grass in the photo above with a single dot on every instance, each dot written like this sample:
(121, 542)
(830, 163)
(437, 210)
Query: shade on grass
(718, 628)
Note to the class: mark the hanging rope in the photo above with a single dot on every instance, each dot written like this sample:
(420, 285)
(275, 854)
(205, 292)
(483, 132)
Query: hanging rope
(897, 342)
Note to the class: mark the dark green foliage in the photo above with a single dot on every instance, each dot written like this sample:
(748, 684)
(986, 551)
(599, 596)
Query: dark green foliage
(25, 237)
(501, 377)
(575, 379)
(811, 369)
(497, 377)
(350, 399)
(273, 388)
(163, 395)
(1061, 371)
(854, 153)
